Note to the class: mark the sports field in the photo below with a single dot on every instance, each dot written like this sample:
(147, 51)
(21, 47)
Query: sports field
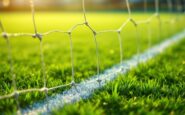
(156, 87)
(56, 46)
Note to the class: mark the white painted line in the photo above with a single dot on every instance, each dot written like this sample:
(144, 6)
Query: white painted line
(84, 89)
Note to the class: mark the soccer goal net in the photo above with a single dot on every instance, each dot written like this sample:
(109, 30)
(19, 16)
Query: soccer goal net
(14, 96)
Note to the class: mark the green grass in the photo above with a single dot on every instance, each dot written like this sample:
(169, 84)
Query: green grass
(157, 87)
(26, 55)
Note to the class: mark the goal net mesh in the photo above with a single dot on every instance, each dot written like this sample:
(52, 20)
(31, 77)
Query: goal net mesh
(40, 36)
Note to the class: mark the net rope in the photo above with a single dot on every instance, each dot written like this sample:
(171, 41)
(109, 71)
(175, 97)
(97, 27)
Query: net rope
(7, 36)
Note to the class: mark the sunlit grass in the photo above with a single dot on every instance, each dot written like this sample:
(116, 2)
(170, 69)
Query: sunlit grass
(156, 87)
(26, 55)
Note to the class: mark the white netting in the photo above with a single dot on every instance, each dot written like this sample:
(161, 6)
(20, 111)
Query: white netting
(40, 36)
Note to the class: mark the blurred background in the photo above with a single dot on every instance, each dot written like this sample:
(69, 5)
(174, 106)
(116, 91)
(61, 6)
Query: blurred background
(75, 5)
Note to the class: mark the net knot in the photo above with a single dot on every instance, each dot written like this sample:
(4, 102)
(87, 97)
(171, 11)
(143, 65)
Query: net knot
(119, 31)
(44, 89)
(16, 94)
(86, 23)
(69, 32)
(133, 21)
(95, 33)
(73, 84)
(5, 35)
(37, 35)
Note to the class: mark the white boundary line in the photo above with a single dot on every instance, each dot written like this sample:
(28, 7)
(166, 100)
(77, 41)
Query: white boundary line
(84, 89)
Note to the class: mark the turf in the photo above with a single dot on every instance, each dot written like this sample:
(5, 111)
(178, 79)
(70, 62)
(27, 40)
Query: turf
(157, 87)
(26, 55)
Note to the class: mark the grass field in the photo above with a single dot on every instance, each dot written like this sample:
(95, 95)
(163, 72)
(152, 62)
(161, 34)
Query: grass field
(154, 88)
(26, 55)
